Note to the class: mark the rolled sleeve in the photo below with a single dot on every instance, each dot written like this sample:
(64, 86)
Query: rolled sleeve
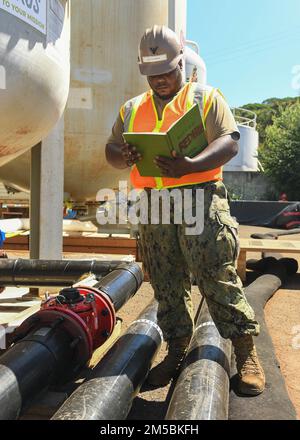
(116, 136)
(220, 121)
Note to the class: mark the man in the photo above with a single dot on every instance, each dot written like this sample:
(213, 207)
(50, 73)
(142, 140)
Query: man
(169, 254)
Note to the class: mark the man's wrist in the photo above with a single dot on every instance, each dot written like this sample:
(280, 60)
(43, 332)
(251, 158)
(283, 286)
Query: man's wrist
(196, 165)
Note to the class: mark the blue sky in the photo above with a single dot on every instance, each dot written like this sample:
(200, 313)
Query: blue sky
(250, 47)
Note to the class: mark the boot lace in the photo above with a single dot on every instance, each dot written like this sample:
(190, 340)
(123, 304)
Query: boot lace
(250, 365)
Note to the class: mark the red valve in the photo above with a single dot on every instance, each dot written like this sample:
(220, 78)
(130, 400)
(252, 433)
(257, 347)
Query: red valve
(86, 313)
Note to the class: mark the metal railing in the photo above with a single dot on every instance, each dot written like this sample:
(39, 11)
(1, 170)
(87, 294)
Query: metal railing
(246, 117)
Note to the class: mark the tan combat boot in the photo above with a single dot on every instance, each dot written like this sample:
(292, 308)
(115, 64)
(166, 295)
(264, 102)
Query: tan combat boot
(162, 374)
(251, 374)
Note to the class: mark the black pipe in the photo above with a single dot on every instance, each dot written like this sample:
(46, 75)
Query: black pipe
(273, 235)
(23, 272)
(274, 403)
(109, 391)
(202, 389)
(265, 265)
(2, 255)
(52, 353)
(30, 366)
(121, 284)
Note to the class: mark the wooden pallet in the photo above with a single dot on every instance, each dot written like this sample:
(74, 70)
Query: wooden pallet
(83, 242)
(15, 306)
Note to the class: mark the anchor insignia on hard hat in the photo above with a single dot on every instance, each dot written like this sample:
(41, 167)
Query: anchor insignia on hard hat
(153, 50)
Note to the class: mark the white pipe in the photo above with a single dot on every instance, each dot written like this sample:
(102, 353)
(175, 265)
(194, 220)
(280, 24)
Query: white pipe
(193, 44)
(17, 224)
(78, 226)
(14, 224)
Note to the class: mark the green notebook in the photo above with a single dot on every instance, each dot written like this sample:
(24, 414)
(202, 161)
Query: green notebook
(186, 136)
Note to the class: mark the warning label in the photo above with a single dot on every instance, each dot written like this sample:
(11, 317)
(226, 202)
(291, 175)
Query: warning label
(33, 12)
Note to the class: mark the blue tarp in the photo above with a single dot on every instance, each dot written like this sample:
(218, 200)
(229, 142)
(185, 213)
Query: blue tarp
(2, 237)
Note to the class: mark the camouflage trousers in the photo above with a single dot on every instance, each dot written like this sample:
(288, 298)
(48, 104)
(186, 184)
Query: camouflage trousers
(170, 256)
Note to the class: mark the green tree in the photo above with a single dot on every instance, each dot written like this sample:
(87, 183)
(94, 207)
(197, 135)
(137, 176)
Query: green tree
(267, 112)
(280, 153)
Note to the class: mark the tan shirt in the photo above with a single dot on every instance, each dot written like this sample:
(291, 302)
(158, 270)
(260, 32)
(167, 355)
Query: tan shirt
(219, 122)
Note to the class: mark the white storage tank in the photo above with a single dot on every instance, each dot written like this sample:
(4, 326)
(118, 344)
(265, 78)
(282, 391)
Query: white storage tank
(246, 159)
(104, 74)
(195, 67)
(34, 71)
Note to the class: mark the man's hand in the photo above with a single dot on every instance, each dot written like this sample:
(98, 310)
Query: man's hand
(217, 154)
(176, 166)
(130, 154)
